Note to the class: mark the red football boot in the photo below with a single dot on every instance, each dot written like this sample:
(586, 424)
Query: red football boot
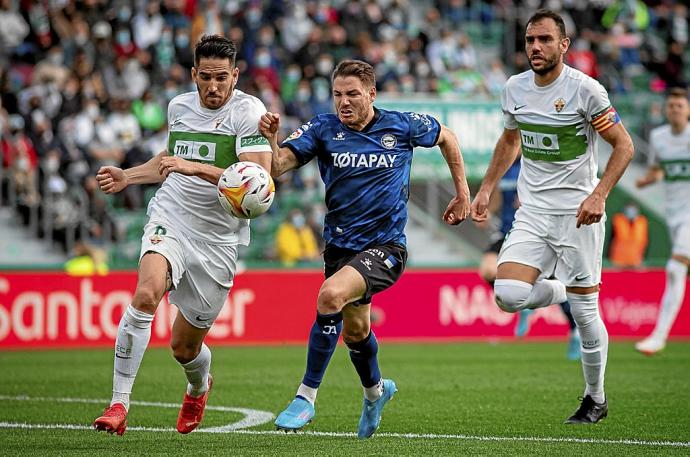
(113, 420)
(192, 410)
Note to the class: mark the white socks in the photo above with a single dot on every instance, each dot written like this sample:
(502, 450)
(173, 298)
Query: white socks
(676, 276)
(309, 393)
(133, 335)
(374, 392)
(513, 295)
(595, 342)
(197, 372)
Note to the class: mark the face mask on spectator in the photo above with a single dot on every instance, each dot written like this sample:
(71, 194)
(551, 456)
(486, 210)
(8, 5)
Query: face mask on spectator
(253, 16)
(92, 111)
(631, 212)
(22, 164)
(423, 69)
(303, 95)
(322, 93)
(263, 60)
(324, 67)
(124, 14)
(55, 58)
(52, 164)
(298, 221)
(123, 37)
(293, 75)
(182, 40)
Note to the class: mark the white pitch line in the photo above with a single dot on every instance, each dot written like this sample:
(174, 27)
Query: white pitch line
(411, 436)
(256, 417)
(252, 417)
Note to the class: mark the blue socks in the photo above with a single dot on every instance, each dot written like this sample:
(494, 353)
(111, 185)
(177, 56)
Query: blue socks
(323, 339)
(363, 356)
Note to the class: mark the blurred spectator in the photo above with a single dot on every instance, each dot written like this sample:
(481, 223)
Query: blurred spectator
(148, 112)
(295, 241)
(88, 260)
(629, 237)
(147, 25)
(13, 28)
(92, 79)
(206, 21)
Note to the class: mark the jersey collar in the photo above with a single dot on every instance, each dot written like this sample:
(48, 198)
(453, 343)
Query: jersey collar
(377, 115)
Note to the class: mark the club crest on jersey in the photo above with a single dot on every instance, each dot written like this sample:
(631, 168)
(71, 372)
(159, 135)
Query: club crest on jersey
(389, 141)
(559, 104)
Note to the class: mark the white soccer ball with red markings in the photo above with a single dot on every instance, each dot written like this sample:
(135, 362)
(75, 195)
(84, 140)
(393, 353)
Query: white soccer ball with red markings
(246, 190)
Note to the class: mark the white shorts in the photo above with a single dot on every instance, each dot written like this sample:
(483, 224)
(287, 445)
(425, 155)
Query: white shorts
(553, 245)
(202, 273)
(680, 236)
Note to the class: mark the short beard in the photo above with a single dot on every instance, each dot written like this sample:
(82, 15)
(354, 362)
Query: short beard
(548, 66)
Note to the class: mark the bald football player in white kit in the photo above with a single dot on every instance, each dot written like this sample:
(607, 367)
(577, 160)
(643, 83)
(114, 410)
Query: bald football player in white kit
(190, 244)
(555, 114)
(670, 161)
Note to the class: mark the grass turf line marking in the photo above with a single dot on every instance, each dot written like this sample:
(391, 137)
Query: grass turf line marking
(431, 436)
(252, 417)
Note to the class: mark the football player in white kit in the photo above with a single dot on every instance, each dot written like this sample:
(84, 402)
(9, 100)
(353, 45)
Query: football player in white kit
(189, 246)
(555, 114)
(670, 161)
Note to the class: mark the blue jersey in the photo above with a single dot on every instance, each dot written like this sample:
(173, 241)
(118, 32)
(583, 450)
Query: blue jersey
(508, 187)
(366, 173)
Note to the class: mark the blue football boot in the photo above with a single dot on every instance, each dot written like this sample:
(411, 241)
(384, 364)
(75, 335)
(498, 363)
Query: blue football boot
(522, 326)
(371, 410)
(298, 414)
(574, 346)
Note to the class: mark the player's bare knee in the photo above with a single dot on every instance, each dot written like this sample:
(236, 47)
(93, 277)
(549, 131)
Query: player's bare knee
(330, 300)
(355, 333)
(183, 351)
(146, 299)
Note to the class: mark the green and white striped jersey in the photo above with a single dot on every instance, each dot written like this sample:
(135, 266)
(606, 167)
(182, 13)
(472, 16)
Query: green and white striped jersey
(558, 127)
(215, 137)
(672, 153)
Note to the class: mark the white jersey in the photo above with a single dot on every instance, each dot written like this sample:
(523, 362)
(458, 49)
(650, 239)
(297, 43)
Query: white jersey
(672, 153)
(215, 137)
(558, 130)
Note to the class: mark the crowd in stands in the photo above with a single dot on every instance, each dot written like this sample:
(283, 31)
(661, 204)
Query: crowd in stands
(86, 83)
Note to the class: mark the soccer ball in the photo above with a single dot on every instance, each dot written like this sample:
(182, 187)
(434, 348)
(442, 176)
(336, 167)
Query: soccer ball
(246, 190)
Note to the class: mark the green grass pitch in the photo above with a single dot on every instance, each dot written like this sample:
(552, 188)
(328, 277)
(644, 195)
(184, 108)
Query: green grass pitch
(454, 399)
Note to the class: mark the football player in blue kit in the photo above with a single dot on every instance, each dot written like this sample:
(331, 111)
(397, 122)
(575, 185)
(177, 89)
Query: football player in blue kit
(364, 156)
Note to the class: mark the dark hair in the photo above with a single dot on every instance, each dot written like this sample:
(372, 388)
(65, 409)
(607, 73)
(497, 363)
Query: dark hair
(548, 14)
(677, 92)
(361, 70)
(214, 47)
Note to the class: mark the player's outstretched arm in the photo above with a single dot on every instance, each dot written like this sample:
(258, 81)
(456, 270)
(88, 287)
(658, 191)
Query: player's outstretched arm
(505, 152)
(170, 164)
(113, 179)
(459, 207)
(592, 208)
(282, 159)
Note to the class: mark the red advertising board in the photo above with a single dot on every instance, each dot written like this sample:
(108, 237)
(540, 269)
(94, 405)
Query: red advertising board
(39, 309)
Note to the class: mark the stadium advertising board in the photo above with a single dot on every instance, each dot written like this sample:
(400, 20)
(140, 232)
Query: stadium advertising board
(277, 306)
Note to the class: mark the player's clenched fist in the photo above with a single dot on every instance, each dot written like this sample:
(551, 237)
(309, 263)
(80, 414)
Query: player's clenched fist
(111, 179)
(269, 124)
(479, 208)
